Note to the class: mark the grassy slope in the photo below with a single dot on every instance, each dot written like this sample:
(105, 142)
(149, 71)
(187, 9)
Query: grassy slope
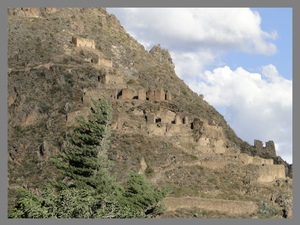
(37, 41)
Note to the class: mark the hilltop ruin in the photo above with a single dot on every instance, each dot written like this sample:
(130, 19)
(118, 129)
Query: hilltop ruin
(207, 137)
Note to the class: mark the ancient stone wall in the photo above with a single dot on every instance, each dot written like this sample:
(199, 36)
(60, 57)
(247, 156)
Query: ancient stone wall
(198, 124)
(267, 152)
(270, 148)
(261, 161)
(168, 96)
(268, 173)
(104, 62)
(158, 94)
(128, 94)
(117, 121)
(185, 120)
(247, 159)
(226, 206)
(82, 42)
(141, 94)
(153, 129)
(111, 93)
(110, 79)
(95, 94)
(150, 95)
(178, 120)
(150, 117)
(166, 115)
(258, 144)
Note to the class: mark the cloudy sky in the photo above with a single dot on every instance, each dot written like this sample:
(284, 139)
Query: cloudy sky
(239, 58)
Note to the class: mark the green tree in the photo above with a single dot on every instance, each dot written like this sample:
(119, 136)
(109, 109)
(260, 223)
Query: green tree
(141, 196)
(87, 188)
(84, 163)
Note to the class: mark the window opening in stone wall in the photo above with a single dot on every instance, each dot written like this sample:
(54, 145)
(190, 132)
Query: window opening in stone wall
(119, 94)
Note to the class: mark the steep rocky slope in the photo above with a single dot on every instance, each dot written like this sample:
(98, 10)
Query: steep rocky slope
(59, 58)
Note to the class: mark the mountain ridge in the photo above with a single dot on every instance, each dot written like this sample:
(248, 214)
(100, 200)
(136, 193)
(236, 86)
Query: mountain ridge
(157, 120)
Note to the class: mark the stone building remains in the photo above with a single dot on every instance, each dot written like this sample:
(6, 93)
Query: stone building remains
(83, 42)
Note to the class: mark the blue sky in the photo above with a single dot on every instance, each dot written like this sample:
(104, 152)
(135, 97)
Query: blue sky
(239, 58)
(273, 19)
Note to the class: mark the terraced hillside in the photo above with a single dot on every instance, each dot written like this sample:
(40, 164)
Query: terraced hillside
(59, 58)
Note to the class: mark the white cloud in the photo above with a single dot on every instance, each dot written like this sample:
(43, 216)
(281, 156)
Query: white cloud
(222, 28)
(188, 64)
(257, 106)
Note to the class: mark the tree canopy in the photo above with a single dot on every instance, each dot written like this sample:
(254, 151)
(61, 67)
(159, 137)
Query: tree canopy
(87, 188)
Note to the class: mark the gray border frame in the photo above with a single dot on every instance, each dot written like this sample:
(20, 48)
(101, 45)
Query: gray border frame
(135, 3)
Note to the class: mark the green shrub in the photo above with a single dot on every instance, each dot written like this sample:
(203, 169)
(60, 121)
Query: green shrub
(149, 171)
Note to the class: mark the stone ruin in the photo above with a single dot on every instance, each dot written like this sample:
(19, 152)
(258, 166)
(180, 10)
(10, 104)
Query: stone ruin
(123, 93)
(83, 42)
(167, 123)
(104, 62)
(176, 119)
(256, 160)
(267, 151)
(158, 94)
(110, 79)
(268, 171)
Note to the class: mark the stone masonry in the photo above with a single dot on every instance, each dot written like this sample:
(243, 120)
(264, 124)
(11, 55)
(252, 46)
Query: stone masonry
(104, 62)
(267, 151)
(83, 42)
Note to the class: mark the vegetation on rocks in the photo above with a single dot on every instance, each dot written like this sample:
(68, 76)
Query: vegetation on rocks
(95, 168)
(86, 189)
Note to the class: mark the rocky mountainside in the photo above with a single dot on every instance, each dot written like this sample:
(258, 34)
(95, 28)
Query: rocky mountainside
(59, 58)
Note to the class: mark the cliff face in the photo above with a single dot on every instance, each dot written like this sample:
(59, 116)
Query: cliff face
(59, 58)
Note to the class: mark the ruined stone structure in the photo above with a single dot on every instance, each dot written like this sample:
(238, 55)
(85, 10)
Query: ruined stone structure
(226, 206)
(267, 170)
(168, 96)
(141, 94)
(178, 120)
(111, 79)
(113, 93)
(207, 135)
(83, 42)
(104, 62)
(150, 117)
(157, 94)
(269, 149)
(185, 120)
(128, 94)
(247, 159)
(197, 124)
(268, 173)
(88, 94)
(258, 144)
